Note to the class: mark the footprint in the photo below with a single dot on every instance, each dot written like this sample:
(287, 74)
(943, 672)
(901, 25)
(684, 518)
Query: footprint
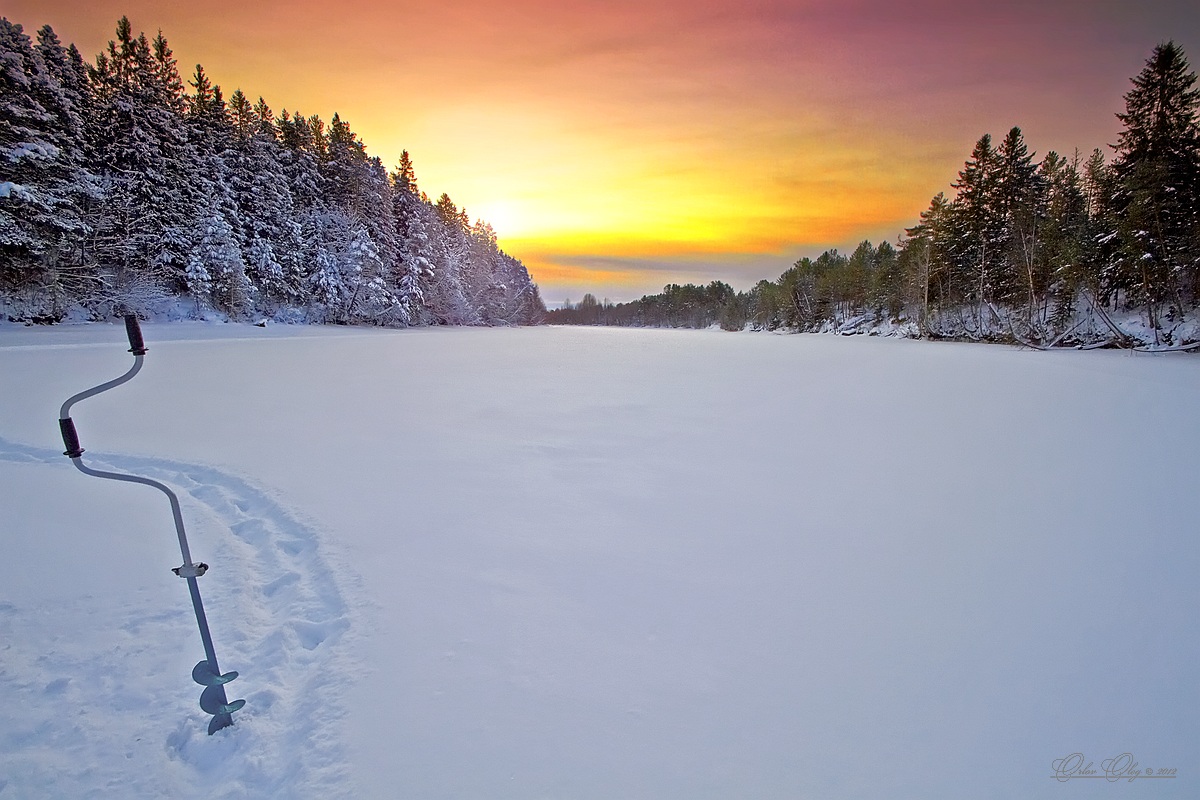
(282, 582)
(251, 530)
(293, 547)
(313, 634)
(57, 686)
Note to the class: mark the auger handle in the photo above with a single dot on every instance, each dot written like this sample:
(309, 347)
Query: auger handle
(136, 344)
(70, 438)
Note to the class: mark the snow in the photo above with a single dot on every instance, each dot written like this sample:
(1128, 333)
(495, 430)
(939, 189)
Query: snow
(33, 150)
(598, 563)
(10, 189)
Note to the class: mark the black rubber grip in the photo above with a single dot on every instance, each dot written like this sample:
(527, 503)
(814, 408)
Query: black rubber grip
(70, 438)
(136, 345)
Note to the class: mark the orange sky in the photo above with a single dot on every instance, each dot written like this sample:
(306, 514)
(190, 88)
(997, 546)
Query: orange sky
(617, 145)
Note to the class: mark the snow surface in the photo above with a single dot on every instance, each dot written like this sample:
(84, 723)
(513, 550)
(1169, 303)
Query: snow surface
(598, 563)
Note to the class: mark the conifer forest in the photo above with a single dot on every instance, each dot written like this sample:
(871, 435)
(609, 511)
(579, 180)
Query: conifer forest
(123, 189)
(1062, 250)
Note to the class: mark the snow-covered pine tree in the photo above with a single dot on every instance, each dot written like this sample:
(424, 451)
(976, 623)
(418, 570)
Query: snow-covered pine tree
(412, 269)
(1103, 243)
(266, 224)
(979, 230)
(151, 173)
(1020, 200)
(309, 259)
(1066, 238)
(241, 115)
(371, 299)
(481, 286)
(216, 251)
(265, 121)
(446, 298)
(199, 281)
(928, 253)
(890, 295)
(67, 97)
(336, 264)
(45, 183)
(857, 281)
(1157, 171)
(266, 275)
(518, 301)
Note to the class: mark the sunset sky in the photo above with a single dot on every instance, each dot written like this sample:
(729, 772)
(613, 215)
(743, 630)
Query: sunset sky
(617, 146)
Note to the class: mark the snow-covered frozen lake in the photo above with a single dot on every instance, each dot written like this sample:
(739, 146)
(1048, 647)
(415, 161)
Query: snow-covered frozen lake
(598, 563)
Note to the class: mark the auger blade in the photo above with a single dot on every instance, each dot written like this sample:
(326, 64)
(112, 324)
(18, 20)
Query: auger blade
(203, 675)
(213, 701)
(218, 722)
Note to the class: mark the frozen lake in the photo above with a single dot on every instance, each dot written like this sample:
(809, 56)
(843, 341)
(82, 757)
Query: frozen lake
(599, 563)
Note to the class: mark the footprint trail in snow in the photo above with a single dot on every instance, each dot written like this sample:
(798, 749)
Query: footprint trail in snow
(279, 617)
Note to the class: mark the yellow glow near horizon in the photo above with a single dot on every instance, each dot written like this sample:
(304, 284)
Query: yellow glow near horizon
(549, 193)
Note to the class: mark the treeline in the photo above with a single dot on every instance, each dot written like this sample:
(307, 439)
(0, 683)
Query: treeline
(121, 189)
(1044, 252)
(686, 306)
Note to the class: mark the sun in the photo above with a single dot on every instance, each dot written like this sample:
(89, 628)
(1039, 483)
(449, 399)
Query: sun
(505, 217)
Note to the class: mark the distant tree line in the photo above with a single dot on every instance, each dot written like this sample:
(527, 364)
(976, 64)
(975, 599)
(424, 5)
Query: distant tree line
(686, 306)
(120, 189)
(1043, 252)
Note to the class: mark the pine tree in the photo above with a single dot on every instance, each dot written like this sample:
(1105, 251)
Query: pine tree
(889, 290)
(198, 279)
(1102, 239)
(345, 168)
(317, 140)
(219, 257)
(446, 297)
(371, 299)
(265, 121)
(45, 183)
(1020, 202)
(242, 115)
(979, 235)
(266, 274)
(266, 220)
(405, 177)
(519, 302)
(857, 286)
(1066, 239)
(166, 74)
(152, 176)
(201, 104)
(73, 187)
(327, 286)
(448, 212)
(413, 269)
(928, 253)
(1157, 172)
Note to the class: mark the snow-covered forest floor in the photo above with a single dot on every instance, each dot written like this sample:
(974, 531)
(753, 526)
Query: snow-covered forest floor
(598, 563)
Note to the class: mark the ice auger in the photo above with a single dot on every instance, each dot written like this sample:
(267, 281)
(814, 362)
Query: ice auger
(206, 673)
